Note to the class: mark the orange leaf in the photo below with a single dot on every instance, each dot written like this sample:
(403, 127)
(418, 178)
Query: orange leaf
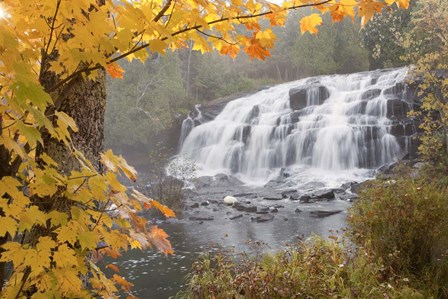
(110, 252)
(162, 208)
(158, 237)
(138, 222)
(255, 50)
(115, 71)
(231, 50)
(113, 267)
(253, 26)
(125, 285)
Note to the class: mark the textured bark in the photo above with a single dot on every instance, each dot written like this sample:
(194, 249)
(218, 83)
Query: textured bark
(85, 101)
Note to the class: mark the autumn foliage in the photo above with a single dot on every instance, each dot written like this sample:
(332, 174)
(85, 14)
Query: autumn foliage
(56, 222)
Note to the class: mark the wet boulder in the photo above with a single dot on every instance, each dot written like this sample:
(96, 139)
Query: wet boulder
(291, 194)
(262, 218)
(273, 198)
(403, 129)
(244, 208)
(370, 94)
(194, 218)
(301, 97)
(305, 199)
(321, 213)
(236, 217)
(346, 196)
(323, 195)
(397, 109)
(203, 182)
(254, 113)
(397, 90)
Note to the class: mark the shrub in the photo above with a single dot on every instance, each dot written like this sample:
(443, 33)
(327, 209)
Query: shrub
(404, 224)
(168, 177)
(314, 269)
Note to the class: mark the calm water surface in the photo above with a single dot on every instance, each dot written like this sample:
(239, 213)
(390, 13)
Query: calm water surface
(157, 276)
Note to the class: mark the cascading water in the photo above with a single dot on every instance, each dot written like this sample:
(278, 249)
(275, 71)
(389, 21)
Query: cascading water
(338, 123)
(189, 123)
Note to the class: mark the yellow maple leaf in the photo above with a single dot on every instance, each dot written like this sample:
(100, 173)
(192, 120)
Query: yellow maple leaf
(157, 46)
(309, 23)
(400, 3)
(403, 3)
(65, 257)
(345, 8)
(113, 163)
(367, 9)
(266, 38)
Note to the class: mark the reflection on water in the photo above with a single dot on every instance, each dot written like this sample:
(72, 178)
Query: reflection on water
(157, 276)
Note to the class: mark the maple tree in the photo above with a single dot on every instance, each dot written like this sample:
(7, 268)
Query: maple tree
(427, 49)
(63, 205)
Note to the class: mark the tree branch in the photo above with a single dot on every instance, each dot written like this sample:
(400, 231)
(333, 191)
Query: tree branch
(58, 4)
(162, 12)
(215, 36)
(146, 45)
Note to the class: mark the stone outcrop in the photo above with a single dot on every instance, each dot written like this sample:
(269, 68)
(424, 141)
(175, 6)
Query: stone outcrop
(314, 94)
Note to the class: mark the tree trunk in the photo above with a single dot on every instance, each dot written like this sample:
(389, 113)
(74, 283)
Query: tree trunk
(85, 101)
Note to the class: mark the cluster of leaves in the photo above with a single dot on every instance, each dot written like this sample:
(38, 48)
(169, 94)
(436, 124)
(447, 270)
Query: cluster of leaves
(57, 213)
(315, 268)
(50, 246)
(427, 45)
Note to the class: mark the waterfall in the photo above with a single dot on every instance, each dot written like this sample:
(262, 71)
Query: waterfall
(332, 123)
(189, 123)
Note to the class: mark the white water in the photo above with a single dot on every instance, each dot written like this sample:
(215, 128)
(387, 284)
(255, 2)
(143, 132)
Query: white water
(342, 139)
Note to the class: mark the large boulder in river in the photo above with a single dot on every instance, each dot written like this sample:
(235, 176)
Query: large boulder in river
(301, 97)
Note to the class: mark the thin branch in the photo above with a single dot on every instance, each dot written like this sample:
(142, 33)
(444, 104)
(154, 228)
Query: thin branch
(215, 36)
(171, 14)
(101, 215)
(80, 186)
(146, 45)
(58, 4)
(162, 12)
(82, 177)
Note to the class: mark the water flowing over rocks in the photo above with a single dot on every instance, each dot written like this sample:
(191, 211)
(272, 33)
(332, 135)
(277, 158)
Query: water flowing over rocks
(332, 123)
